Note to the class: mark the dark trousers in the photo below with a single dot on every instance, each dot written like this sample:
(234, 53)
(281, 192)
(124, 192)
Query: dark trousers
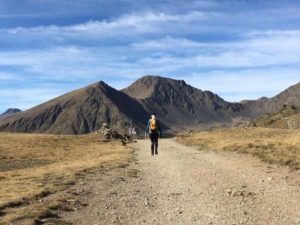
(154, 143)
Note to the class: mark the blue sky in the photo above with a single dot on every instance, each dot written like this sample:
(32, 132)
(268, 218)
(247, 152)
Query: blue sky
(238, 49)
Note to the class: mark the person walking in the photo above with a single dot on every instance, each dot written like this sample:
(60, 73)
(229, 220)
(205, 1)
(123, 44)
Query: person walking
(154, 130)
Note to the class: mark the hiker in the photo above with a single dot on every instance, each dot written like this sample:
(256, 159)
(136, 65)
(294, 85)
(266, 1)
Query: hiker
(153, 128)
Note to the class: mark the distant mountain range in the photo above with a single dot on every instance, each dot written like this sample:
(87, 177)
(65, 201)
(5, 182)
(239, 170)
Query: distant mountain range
(9, 112)
(177, 104)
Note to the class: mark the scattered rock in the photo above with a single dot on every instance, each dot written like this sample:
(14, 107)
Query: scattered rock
(146, 201)
(109, 133)
(243, 193)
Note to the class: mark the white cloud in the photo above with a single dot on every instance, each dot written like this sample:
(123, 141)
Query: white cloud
(162, 56)
(55, 64)
(246, 84)
(267, 41)
(127, 24)
(176, 44)
(185, 18)
(76, 64)
(25, 98)
(270, 48)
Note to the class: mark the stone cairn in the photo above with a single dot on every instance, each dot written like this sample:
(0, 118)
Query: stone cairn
(109, 133)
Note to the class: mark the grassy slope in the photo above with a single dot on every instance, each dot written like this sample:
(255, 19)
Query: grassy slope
(287, 118)
(33, 166)
(270, 145)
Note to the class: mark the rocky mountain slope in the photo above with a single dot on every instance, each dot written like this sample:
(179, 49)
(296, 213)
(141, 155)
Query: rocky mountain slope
(290, 96)
(180, 105)
(78, 112)
(286, 118)
(177, 104)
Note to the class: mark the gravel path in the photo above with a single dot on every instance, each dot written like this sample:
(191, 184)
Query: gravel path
(185, 186)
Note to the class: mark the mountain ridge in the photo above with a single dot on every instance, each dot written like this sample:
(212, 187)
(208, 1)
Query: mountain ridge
(178, 105)
(78, 112)
(290, 96)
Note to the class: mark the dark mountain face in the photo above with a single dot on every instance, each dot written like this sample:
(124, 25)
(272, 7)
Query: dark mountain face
(11, 111)
(180, 105)
(80, 111)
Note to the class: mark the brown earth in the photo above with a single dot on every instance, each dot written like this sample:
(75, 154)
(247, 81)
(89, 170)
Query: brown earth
(183, 185)
(277, 146)
(50, 179)
(36, 170)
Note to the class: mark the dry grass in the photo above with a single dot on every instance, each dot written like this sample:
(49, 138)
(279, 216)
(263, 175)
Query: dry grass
(33, 166)
(287, 118)
(277, 146)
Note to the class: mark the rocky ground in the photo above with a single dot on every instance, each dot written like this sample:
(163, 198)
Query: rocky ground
(185, 186)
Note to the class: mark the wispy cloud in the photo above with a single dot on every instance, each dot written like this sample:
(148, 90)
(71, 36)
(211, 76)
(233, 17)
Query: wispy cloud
(219, 45)
(257, 49)
(269, 49)
(26, 98)
(246, 84)
(127, 25)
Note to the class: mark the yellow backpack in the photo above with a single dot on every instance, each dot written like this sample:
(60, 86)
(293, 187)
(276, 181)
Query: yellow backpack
(153, 124)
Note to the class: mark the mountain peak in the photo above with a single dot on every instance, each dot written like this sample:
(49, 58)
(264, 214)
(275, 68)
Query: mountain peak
(11, 111)
(98, 84)
(179, 103)
(80, 111)
(150, 85)
(157, 78)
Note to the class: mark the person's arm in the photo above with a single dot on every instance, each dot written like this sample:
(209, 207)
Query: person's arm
(159, 129)
(147, 128)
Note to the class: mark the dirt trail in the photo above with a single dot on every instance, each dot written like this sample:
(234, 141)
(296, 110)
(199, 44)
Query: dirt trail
(185, 186)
